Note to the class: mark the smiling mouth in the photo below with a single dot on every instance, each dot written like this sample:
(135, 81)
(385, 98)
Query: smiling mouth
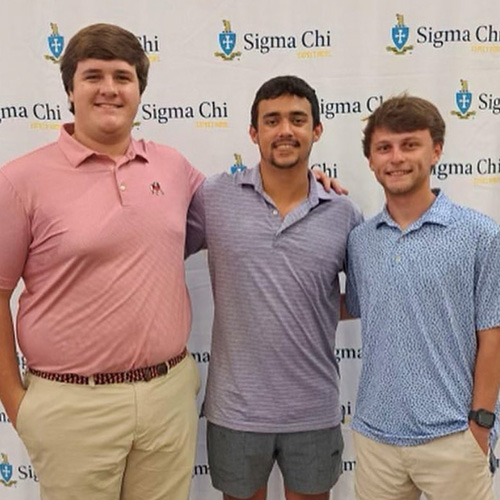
(108, 105)
(398, 173)
(285, 145)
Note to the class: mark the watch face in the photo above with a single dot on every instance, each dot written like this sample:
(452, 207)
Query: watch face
(485, 419)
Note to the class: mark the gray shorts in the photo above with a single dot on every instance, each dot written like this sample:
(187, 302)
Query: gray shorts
(240, 462)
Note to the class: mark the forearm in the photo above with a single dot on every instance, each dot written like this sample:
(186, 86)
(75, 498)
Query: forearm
(487, 370)
(486, 381)
(11, 388)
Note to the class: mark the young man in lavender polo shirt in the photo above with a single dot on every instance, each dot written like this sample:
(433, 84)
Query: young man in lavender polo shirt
(94, 224)
(276, 245)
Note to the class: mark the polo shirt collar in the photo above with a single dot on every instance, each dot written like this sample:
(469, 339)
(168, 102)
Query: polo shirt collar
(252, 177)
(77, 154)
(438, 213)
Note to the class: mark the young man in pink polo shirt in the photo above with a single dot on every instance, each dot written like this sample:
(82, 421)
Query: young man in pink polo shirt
(94, 224)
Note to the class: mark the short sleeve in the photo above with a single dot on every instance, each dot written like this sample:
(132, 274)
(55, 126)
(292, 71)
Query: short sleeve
(487, 286)
(15, 235)
(195, 178)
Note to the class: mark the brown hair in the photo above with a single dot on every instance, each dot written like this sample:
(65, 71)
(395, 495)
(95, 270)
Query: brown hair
(107, 42)
(405, 113)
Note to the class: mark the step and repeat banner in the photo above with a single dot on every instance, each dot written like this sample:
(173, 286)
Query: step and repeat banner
(207, 60)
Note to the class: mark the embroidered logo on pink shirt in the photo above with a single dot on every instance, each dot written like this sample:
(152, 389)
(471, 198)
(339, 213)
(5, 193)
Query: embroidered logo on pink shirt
(156, 188)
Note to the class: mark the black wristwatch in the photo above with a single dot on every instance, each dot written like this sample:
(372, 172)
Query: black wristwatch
(483, 418)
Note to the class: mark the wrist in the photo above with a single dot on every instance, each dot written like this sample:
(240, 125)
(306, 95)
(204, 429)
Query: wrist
(478, 429)
(482, 418)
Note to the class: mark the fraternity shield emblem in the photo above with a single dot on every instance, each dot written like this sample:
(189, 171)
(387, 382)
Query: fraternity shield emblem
(463, 100)
(237, 168)
(227, 41)
(238, 165)
(400, 35)
(56, 44)
(6, 471)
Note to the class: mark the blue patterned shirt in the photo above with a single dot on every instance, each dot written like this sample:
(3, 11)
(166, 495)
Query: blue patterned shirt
(422, 294)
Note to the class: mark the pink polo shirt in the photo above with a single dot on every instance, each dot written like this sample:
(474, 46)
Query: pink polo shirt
(100, 247)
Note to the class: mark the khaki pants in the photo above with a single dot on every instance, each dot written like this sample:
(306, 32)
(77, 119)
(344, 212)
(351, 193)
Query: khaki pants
(113, 442)
(449, 468)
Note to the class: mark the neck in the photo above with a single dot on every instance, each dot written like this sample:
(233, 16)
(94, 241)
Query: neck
(286, 187)
(115, 148)
(406, 209)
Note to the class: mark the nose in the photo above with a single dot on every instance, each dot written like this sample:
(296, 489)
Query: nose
(285, 128)
(108, 85)
(397, 155)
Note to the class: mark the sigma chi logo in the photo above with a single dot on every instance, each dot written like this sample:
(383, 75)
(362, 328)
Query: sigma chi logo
(238, 165)
(6, 471)
(227, 42)
(56, 44)
(400, 35)
(463, 100)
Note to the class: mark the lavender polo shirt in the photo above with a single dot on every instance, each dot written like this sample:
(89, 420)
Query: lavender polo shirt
(100, 247)
(276, 293)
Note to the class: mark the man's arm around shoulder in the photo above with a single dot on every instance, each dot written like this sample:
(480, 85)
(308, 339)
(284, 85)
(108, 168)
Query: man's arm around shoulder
(11, 387)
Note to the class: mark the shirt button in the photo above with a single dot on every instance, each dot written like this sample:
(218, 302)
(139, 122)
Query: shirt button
(122, 187)
(274, 212)
(397, 258)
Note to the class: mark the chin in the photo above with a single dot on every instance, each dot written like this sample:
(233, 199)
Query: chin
(399, 190)
(113, 128)
(287, 166)
(284, 165)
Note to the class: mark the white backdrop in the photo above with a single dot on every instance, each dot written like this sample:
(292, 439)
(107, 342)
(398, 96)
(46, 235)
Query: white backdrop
(199, 98)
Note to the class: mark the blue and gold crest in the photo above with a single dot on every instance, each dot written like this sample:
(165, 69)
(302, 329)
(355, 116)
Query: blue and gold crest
(6, 471)
(227, 42)
(463, 100)
(238, 165)
(56, 44)
(400, 34)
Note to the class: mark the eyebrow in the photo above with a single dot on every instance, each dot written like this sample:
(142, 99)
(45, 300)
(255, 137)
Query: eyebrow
(124, 72)
(384, 142)
(99, 70)
(91, 70)
(273, 114)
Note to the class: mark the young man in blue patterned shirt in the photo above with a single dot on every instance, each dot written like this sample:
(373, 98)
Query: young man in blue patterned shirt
(424, 277)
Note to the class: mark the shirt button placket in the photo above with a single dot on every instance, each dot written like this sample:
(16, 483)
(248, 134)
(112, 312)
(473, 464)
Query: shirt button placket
(277, 224)
(121, 185)
(397, 255)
